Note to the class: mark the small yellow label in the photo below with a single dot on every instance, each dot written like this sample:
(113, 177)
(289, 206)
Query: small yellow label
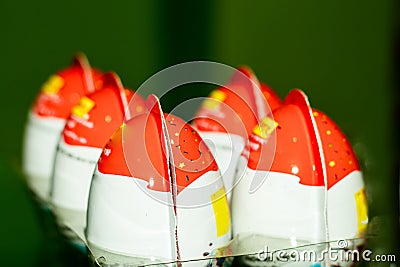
(221, 212)
(218, 95)
(215, 98)
(265, 127)
(53, 85)
(84, 106)
(362, 210)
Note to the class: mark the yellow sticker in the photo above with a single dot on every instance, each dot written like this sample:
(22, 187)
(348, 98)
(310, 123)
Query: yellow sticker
(265, 127)
(221, 211)
(84, 106)
(362, 210)
(218, 95)
(53, 85)
(215, 98)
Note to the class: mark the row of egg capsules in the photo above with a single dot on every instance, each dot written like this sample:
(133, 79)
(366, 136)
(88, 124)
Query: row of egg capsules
(120, 196)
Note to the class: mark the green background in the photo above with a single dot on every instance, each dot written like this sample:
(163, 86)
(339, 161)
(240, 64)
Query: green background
(341, 53)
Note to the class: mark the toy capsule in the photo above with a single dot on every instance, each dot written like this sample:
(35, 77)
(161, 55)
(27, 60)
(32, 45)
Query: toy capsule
(157, 194)
(47, 118)
(229, 115)
(310, 190)
(87, 130)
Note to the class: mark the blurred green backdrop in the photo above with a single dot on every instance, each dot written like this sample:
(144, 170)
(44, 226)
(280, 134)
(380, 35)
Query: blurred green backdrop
(341, 53)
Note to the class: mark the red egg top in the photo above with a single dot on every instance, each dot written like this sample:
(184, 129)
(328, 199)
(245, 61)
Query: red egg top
(340, 159)
(306, 142)
(138, 150)
(64, 90)
(191, 155)
(237, 107)
(98, 115)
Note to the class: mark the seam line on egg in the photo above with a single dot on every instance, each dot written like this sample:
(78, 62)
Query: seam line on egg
(64, 152)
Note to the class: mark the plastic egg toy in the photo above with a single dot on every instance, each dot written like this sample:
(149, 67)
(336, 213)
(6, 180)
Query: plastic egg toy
(157, 194)
(229, 115)
(47, 118)
(310, 190)
(87, 130)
